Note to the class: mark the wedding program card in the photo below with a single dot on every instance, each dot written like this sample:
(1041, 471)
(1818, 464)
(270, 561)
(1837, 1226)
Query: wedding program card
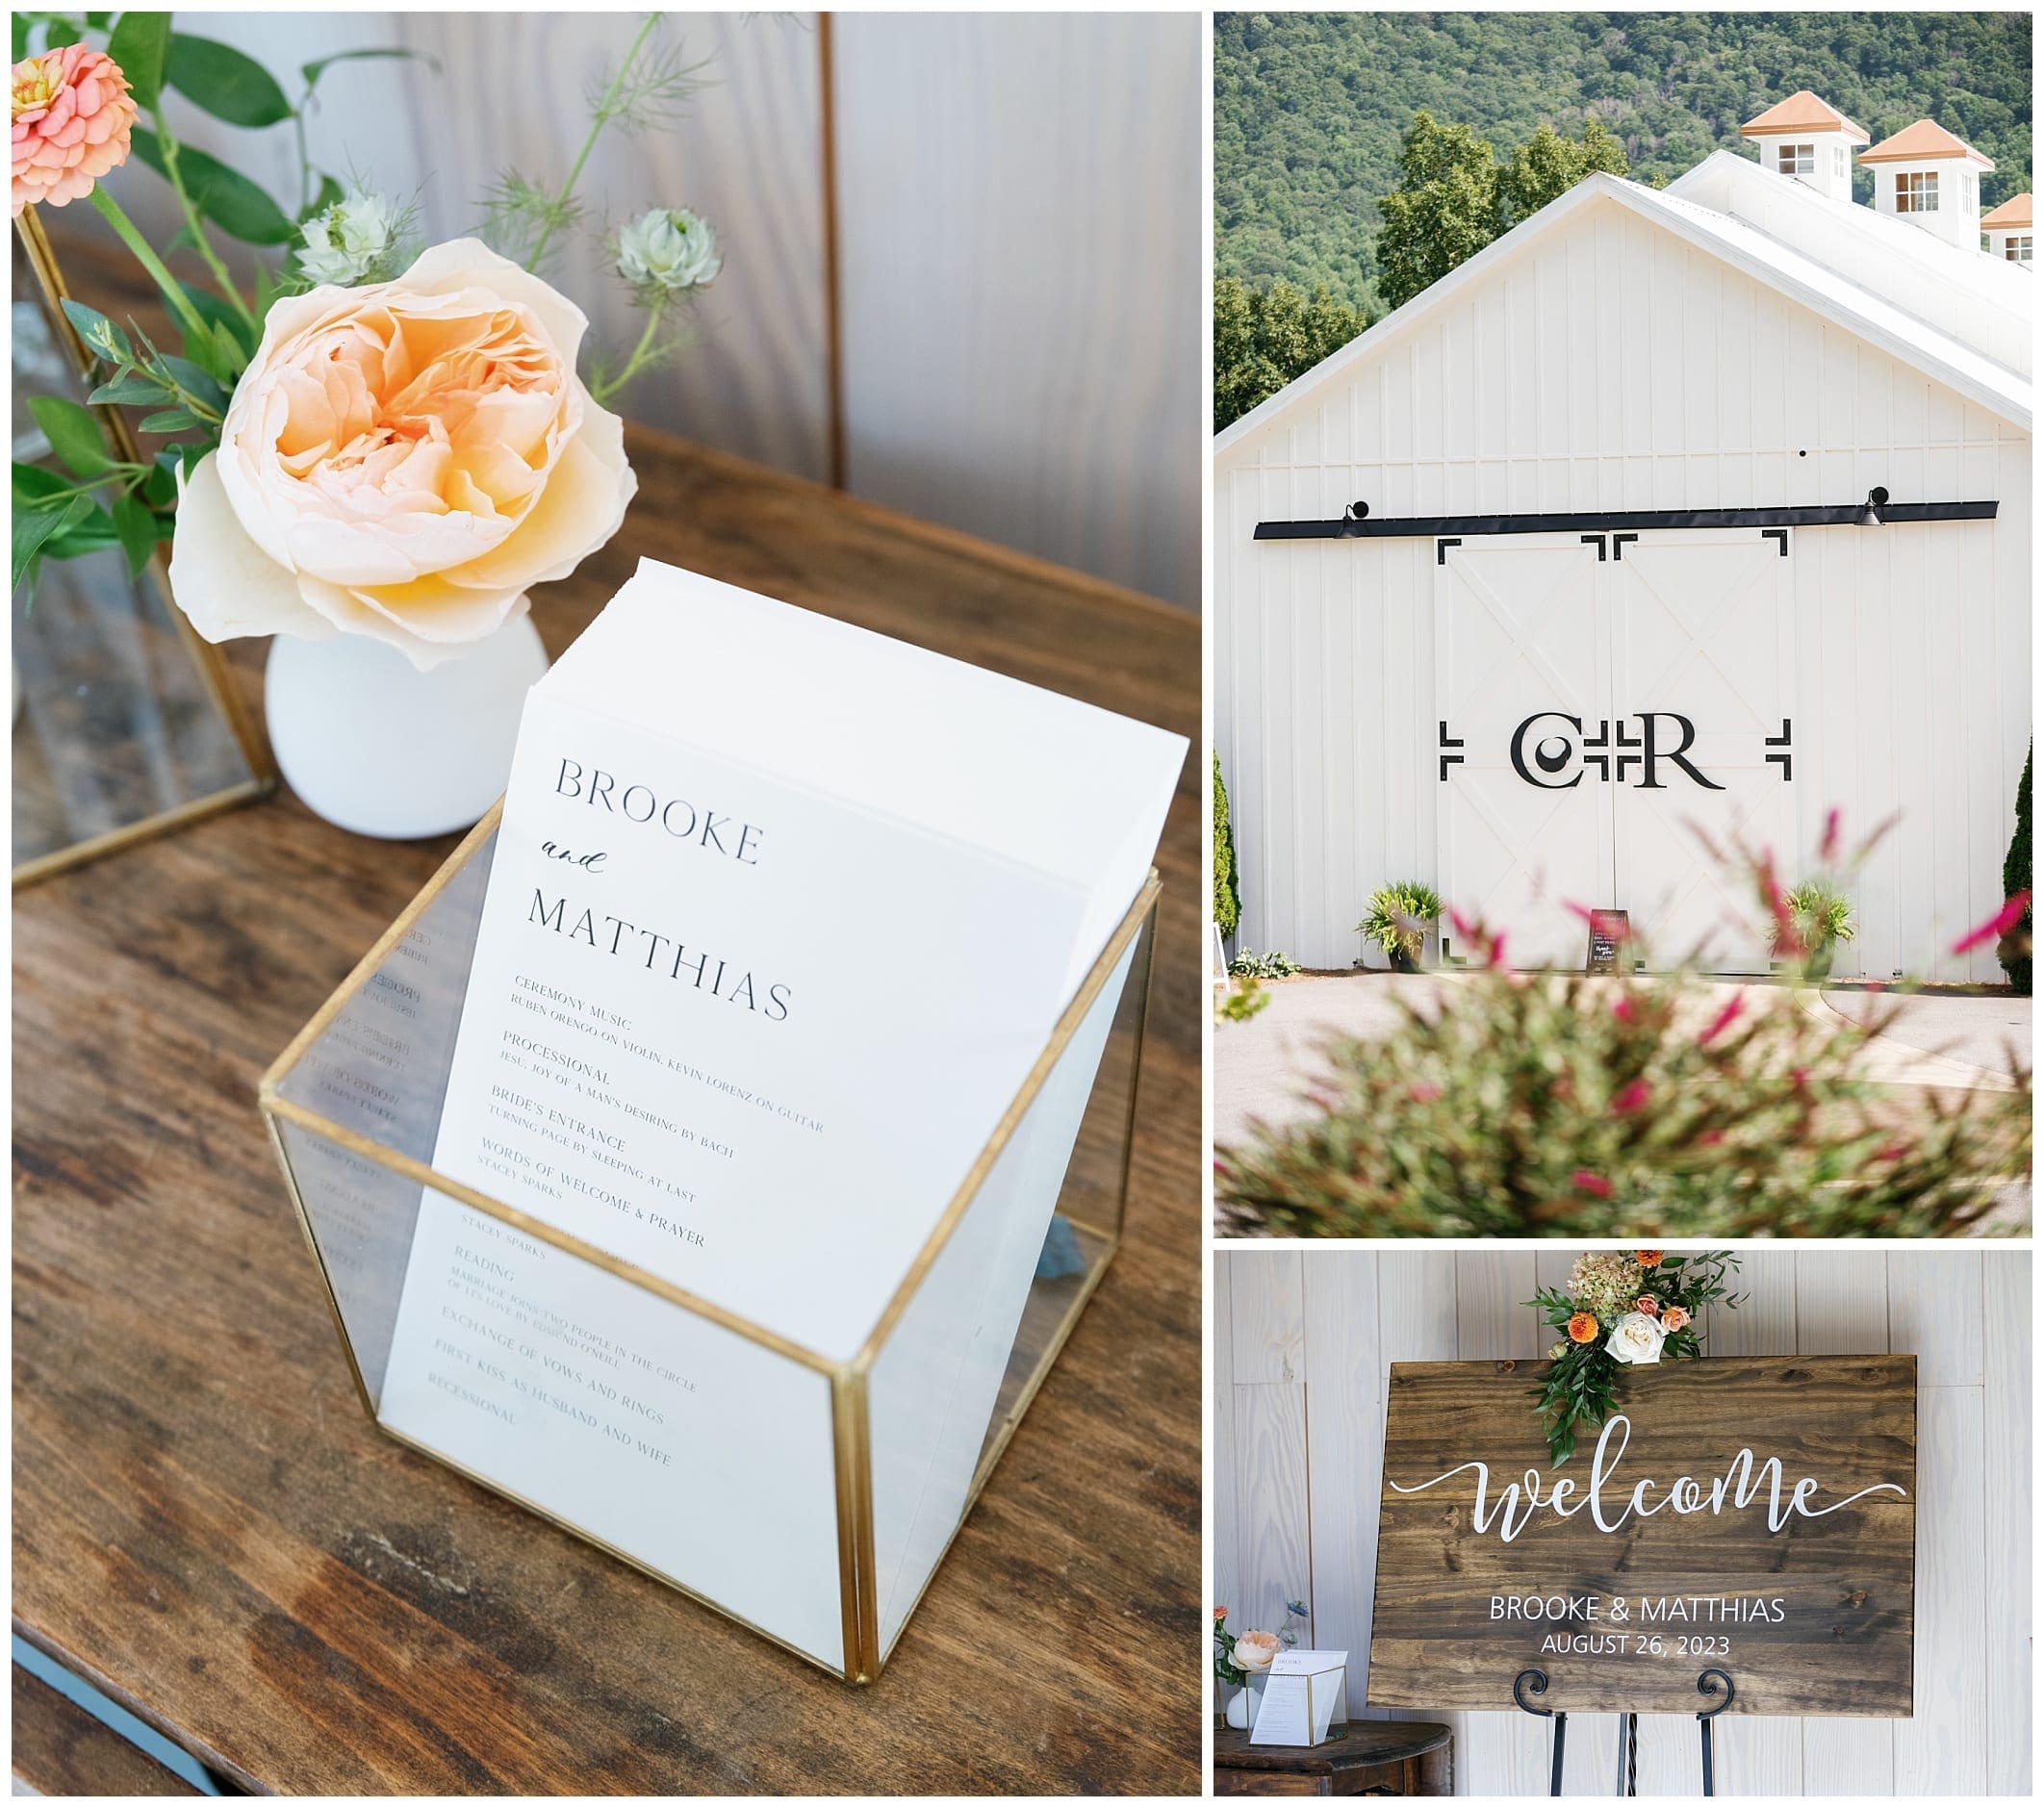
(781, 914)
(1300, 1697)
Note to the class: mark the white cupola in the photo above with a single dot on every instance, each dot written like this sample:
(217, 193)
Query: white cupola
(2007, 230)
(1808, 141)
(1926, 176)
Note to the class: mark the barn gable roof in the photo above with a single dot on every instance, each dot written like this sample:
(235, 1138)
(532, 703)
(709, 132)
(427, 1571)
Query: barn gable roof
(1767, 261)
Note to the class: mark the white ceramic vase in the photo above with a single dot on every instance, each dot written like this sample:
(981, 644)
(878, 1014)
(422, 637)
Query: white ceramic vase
(377, 747)
(1242, 1703)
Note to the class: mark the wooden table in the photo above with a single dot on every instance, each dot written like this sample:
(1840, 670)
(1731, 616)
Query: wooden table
(207, 1528)
(1371, 1758)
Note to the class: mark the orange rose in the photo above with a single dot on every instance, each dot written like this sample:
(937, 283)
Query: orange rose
(1647, 1257)
(1674, 1319)
(1582, 1328)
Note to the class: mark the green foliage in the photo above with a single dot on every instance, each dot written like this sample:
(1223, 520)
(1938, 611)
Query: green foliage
(1820, 915)
(1444, 211)
(1252, 965)
(1547, 166)
(1262, 340)
(233, 203)
(224, 82)
(2015, 877)
(1581, 1376)
(139, 43)
(1242, 1000)
(1397, 917)
(1227, 896)
(1309, 106)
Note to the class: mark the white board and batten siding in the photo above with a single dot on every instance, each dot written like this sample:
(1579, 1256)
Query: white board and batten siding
(1610, 364)
(1304, 1341)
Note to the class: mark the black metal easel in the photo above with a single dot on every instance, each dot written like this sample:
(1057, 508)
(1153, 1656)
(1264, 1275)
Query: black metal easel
(1708, 1684)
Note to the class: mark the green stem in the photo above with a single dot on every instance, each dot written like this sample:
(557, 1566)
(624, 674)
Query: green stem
(297, 125)
(220, 276)
(596, 128)
(173, 290)
(603, 391)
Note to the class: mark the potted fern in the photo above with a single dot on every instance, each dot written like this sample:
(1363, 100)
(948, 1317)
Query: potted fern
(1820, 916)
(1400, 919)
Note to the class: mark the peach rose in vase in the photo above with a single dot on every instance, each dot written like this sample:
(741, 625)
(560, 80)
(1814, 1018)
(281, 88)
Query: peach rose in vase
(399, 463)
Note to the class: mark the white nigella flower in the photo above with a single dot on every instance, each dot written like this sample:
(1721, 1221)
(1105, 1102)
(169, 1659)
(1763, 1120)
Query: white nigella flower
(668, 248)
(345, 242)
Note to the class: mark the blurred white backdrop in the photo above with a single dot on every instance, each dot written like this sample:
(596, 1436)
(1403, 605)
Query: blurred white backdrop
(1018, 201)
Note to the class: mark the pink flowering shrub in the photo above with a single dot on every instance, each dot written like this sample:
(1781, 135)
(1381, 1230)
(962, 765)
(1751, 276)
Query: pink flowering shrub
(1558, 1104)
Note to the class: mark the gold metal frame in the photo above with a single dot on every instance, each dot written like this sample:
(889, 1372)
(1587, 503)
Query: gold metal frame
(851, 1452)
(211, 664)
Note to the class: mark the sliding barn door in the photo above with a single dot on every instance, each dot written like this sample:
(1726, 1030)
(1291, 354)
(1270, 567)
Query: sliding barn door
(1520, 655)
(1704, 645)
(1616, 719)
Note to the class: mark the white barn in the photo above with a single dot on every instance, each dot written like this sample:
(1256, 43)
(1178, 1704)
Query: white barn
(1708, 507)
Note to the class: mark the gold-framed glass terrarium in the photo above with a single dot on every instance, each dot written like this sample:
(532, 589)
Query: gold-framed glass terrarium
(126, 724)
(811, 1500)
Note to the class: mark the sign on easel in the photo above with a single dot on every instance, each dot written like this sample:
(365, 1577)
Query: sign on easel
(1750, 1515)
(1609, 931)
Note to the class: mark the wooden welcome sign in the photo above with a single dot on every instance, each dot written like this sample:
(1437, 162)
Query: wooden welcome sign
(1750, 1515)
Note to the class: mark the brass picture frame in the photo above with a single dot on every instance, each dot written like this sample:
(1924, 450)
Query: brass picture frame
(864, 1651)
(211, 664)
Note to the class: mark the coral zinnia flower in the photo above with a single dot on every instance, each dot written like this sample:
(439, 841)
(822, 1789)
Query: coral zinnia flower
(1582, 1328)
(72, 117)
(1647, 1257)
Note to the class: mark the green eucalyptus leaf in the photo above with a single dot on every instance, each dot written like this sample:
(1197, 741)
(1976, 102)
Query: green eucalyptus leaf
(102, 338)
(34, 529)
(224, 82)
(92, 531)
(135, 522)
(73, 434)
(169, 420)
(196, 383)
(313, 71)
(160, 486)
(133, 392)
(33, 483)
(141, 42)
(234, 204)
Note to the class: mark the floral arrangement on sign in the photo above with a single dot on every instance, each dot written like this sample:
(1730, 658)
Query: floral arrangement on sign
(1544, 1105)
(1239, 1656)
(1620, 1309)
(374, 439)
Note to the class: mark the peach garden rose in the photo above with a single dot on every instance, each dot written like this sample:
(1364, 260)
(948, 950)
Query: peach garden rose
(72, 120)
(1255, 1650)
(402, 460)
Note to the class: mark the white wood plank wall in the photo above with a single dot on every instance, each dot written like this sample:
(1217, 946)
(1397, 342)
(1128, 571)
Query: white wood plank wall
(1304, 1341)
(1019, 223)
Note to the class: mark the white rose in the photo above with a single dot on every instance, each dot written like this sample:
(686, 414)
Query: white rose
(1636, 1339)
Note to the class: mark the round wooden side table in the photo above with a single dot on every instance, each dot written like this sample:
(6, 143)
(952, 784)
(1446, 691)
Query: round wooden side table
(1371, 1758)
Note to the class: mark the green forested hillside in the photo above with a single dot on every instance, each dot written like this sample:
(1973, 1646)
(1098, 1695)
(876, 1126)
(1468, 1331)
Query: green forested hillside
(1307, 107)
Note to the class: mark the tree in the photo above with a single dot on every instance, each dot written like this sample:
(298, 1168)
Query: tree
(1547, 166)
(1227, 898)
(1262, 341)
(2015, 877)
(1444, 211)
